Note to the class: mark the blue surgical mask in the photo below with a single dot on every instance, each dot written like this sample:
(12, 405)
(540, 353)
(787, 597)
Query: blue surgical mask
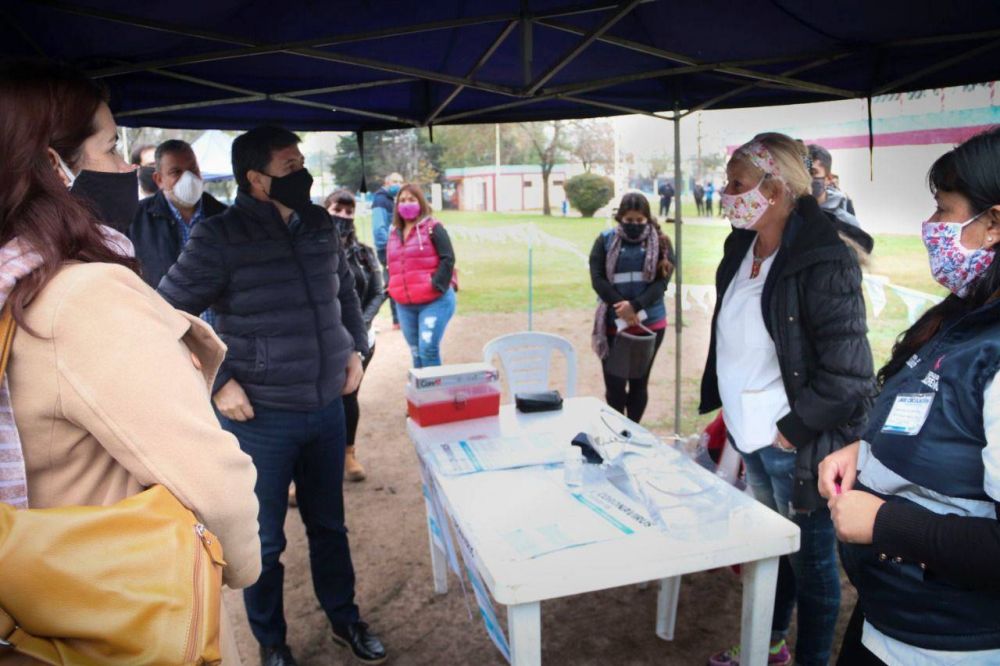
(394, 189)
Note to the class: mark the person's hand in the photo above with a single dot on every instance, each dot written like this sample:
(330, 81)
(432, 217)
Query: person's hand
(355, 371)
(853, 514)
(624, 310)
(232, 401)
(838, 471)
(782, 443)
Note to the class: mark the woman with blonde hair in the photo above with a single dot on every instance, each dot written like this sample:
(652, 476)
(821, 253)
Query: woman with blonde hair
(790, 366)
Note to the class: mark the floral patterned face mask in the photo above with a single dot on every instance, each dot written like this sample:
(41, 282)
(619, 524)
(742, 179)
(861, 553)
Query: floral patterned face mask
(952, 264)
(745, 210)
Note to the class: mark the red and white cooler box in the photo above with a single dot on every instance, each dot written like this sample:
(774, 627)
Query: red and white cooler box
(447, 393)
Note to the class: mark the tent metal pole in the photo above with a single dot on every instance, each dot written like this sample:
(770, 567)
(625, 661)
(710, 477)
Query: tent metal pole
(348, 87)
(527, 44)
(678, 278)
(588, 86)
(734, 68)
(944, 64)
(588, 38)
(613, 107)
(192, 105)
(531, 280)
(509, 28)
(252, 48)
(333, 108)
(750, 86)
(406, 70)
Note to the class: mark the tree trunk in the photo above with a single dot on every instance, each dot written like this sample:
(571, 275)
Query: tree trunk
(546, 207)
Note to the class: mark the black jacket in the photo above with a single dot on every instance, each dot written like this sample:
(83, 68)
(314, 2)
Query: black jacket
(156, 236)
(367, 279)
(284, 300)
(814, 310)
(607, 292)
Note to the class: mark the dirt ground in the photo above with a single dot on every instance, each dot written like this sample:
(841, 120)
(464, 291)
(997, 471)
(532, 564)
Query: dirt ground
(385, 515)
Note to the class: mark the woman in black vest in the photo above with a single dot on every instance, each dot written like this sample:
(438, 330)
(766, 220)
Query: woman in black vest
(790, 366)
(915, 502)
(630, 266)
(371, 291)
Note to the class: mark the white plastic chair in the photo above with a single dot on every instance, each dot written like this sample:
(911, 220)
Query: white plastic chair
(525, 360)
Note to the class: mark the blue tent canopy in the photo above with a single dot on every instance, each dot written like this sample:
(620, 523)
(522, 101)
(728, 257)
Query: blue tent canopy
(358, 65)
(353, 65)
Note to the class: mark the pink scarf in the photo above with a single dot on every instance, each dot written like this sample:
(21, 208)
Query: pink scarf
(17, 260)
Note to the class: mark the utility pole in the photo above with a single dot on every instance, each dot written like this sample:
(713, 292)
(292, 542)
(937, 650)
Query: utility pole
(698, 166)
(496, 167)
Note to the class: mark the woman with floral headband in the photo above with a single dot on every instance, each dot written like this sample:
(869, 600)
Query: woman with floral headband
(790, 365)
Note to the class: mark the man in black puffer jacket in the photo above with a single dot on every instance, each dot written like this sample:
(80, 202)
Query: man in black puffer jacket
(273, 270)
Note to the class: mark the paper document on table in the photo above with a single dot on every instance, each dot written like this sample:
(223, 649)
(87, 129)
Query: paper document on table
(539, 515)
(488, 454)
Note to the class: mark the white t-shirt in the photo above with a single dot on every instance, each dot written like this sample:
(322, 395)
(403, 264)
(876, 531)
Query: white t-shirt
(753, 395)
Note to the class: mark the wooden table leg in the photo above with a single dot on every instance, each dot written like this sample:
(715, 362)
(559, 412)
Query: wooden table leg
(524, 621)
(759, 581)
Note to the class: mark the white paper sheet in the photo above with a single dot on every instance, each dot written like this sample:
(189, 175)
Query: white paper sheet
(489, 454)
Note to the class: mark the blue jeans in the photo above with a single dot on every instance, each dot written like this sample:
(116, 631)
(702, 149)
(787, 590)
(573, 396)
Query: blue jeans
(809, 577)
(423, 327)
(309, 448)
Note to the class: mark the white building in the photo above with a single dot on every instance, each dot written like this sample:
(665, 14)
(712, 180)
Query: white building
(515, 187)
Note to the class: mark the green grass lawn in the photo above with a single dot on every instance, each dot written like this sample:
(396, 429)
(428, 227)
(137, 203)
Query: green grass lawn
(494, 273)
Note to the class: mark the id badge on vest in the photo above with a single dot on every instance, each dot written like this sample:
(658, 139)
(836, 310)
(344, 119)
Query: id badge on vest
(908, 414)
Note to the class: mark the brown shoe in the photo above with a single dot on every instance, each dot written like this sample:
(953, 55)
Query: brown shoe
(353, 471)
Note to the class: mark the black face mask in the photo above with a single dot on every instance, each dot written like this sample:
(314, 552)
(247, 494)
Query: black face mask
(345, 225)
(633, 231)
(818, 187)
(114, 197)
(292, 190)
(146, 179)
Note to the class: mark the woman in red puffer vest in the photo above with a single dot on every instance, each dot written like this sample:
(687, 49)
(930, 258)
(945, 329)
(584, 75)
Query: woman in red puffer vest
(421, 275)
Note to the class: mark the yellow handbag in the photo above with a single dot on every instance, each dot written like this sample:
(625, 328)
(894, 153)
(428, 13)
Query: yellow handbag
(135, 583)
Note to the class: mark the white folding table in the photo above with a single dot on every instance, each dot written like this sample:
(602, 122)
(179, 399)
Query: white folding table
(757, 538)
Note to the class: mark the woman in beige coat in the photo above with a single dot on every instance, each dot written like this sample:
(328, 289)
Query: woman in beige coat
(109, 384)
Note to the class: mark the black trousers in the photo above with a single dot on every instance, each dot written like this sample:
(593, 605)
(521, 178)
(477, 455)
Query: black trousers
(382, 259)
(352, 410)
(852, 652)
(664, 206)
(629, 396)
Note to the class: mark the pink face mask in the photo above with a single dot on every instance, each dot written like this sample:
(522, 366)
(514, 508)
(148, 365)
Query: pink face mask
(408, 210)
(745, 210)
